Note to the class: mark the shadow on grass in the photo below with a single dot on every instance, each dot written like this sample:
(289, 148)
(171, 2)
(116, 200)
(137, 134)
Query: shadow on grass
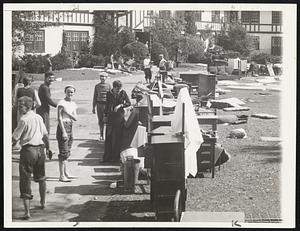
(272, 152)
(262, 150)
(118, 211)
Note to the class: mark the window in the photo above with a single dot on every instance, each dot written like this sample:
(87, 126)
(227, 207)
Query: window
(76, 36)
(215, 16)
(76, 40)
(164, 13)
(35, 43)
(276, 17)
(251, 17)
(276, 45)
(84, 36)
(255, 40)
(198, 16)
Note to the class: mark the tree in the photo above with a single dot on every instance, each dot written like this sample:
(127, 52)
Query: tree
(22, 27)
(136, 50)
(236, 39)
(189, 45)
(105, 33)
(166, 31)
(125, 36)
(190, 27)
(157, 49)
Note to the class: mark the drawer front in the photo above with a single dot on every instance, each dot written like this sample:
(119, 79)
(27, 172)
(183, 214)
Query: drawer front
(168, 153)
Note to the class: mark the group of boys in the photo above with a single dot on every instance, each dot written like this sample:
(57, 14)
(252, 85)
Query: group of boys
(33, 130)
(32, 133)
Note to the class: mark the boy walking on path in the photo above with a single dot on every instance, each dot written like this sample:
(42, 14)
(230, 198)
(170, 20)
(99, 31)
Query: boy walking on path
(147, 68)
(30, 131)
(46, 101)
(99, 101)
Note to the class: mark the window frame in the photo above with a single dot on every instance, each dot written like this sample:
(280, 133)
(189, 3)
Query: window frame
(250, 17)
(76, 45)
(276, 45)
(215, 16)
(35, 43)
(277, 17)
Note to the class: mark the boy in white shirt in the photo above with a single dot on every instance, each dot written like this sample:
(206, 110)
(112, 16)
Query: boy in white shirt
(147, 68)
(66, 114)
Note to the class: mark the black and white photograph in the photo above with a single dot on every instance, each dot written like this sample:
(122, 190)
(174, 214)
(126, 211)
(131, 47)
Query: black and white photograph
(149, 115)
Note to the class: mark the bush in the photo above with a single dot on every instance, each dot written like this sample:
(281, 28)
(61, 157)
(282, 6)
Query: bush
(61, 61)
(34, 63)
(137, 50)
(191, 47)
(157, 49)
(88, 60)
(229, 54)
(15, 63)
(262, 58)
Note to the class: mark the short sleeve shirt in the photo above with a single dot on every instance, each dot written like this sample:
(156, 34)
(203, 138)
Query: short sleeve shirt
(30, 129)
(69, 107)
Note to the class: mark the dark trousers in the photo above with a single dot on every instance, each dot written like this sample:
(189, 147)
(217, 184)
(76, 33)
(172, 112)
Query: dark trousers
(100, 115)
(64, 146)
(32, 161)
(148, 74)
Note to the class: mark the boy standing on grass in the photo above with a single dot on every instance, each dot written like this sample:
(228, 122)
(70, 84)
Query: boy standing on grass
(30, 132)
(99, 101)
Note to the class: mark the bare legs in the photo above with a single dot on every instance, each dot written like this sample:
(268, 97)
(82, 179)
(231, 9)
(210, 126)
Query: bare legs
(62, 176)
(26, 202)
(42, 189)
(65, 176)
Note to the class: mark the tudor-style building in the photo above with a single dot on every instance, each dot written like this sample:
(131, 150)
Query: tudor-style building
(264, 26)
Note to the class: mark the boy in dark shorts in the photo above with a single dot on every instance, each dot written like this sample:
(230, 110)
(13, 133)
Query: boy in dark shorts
(30, 132)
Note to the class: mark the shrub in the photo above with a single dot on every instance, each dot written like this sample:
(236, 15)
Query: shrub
(137, 50)
(261, 58)
(88, 60)
(157, 49)
(191, 47)
(34, 63)
(229, 54)
(15, 63)
(61, 61)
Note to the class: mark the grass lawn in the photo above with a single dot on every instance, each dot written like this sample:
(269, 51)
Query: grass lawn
(249, 182)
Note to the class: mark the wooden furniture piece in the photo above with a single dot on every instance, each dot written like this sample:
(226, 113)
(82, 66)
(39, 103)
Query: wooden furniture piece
(207, 149)
(204, 83)
(168, 190)
(167, 176)
(143, 114)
